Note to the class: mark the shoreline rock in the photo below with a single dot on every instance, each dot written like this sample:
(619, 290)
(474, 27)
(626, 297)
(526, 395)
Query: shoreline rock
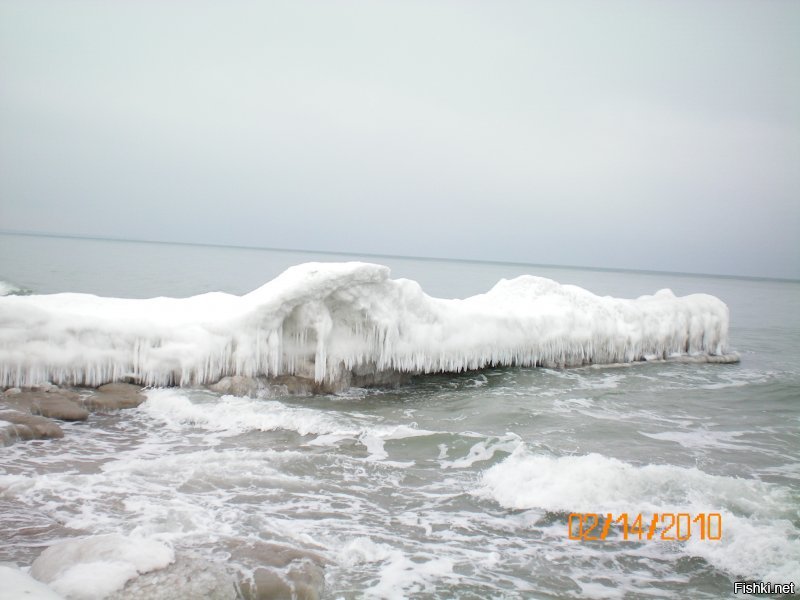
(32, 413)
(53, 404)
(280, 571)
(114, 396)
(23, 427)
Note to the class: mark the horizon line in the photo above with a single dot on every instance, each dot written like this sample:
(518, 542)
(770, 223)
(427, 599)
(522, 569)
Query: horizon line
(382, 255)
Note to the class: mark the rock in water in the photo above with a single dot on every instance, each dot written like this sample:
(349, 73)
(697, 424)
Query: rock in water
(237, 385)
(16, 426)
(115, 396)
(59, 404)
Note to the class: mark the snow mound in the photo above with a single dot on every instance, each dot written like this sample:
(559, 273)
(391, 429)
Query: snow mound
(333, 321)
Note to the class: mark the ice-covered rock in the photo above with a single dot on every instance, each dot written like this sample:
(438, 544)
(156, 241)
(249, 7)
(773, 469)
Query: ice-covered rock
(93, 567)
(16, 585)
(189, 577)
(331, 322)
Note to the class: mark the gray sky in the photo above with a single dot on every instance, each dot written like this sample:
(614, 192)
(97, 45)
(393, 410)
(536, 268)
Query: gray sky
(642, 134)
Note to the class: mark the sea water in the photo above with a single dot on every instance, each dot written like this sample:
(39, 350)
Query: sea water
(451, 485)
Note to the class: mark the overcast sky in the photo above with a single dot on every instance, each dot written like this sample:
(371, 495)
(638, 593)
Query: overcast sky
(641, 134)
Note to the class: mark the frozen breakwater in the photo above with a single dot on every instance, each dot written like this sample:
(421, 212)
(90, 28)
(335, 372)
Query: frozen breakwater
(342, 324)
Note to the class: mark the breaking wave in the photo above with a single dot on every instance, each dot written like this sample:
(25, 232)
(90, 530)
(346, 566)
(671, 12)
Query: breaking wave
(340, 324)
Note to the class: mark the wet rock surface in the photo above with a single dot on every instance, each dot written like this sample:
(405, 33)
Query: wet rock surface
(33, 413)
(280, 572)
(299, 385)
(195, 577)
(53, 404)
(114, 396)
(238, 385)
(18, 426)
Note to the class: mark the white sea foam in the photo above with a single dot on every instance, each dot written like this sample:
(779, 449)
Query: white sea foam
(759, 538)
(399, 575)
(333, 321)
(702, 438)
(231, 415)
(485, 450)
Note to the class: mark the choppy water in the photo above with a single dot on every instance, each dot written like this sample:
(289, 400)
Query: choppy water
(451, 485)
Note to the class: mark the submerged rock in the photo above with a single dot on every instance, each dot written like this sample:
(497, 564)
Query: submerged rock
(304, 581)
(280, 572)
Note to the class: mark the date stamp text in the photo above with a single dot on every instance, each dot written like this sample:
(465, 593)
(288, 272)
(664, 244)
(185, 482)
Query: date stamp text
(667, 526)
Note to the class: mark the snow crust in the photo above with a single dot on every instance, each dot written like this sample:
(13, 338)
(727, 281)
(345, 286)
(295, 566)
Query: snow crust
(333, 321)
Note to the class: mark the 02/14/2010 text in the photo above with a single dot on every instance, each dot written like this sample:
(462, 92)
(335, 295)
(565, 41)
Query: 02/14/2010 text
(666, 526)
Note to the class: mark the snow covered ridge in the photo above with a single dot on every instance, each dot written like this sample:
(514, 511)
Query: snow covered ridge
(334, 322)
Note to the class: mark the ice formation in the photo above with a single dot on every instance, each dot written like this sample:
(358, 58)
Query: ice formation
(93, 567)
(17, 584)
(333, 322)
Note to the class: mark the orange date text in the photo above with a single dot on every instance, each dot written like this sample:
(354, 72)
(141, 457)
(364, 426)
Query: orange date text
(667, 526)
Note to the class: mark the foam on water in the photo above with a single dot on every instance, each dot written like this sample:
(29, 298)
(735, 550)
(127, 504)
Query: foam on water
(230, 416)
(233, 415)
(484, 450)
(702, 438)
(384, 531)
(399, 576)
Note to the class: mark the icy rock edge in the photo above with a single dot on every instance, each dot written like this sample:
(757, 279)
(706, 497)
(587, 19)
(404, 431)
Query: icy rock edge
(342, 324)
